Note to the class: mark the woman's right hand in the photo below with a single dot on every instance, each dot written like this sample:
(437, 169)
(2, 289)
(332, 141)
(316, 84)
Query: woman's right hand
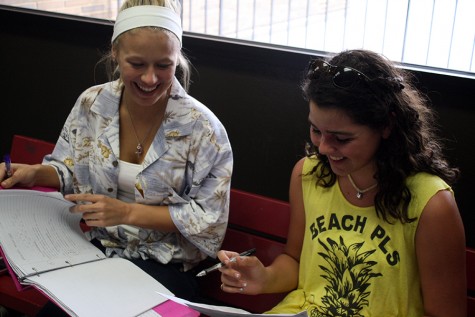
(245, 276)
(22, 175)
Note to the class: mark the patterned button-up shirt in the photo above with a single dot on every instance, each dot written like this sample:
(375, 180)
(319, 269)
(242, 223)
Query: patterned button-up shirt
(188, 167)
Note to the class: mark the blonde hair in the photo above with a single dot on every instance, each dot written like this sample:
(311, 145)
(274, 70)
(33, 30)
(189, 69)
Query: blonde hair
(183, 66)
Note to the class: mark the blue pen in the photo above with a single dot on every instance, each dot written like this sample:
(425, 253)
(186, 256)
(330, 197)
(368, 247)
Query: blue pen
(8, 165)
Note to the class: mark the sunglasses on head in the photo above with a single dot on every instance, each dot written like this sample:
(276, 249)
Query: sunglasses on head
(343, 76)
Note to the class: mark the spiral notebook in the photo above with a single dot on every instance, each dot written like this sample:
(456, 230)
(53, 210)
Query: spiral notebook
(44, 246)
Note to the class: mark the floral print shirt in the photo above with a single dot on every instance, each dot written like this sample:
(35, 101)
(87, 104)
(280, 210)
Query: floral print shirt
(188, 167)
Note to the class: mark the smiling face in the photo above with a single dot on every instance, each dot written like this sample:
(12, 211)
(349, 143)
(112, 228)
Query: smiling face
(147, 59)
(350, 147)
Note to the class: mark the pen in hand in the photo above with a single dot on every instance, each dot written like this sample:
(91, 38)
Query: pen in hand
(8, 165)
(218, 265)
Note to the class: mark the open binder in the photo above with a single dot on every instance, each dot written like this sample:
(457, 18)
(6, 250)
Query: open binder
(43, 245)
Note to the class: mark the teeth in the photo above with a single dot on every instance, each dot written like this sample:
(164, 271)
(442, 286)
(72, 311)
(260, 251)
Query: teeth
(336, 158)
(146, 89)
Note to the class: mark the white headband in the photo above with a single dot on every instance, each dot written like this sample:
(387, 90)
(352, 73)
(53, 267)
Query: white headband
(147, 15)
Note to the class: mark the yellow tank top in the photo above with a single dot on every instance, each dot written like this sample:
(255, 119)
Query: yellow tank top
(352, 262)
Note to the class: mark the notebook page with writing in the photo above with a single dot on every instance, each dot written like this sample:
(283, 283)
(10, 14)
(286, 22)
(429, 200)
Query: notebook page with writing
(38, 233)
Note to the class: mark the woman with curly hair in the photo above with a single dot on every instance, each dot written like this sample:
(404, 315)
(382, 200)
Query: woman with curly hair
(375, 229)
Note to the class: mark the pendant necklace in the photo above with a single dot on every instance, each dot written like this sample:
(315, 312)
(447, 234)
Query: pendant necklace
(139, 143)
(360, 192)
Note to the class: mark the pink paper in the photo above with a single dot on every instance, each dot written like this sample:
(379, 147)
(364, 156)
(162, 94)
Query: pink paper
(172, 309)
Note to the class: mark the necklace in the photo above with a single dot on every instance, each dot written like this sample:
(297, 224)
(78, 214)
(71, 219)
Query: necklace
(360, 192)
(139, 143)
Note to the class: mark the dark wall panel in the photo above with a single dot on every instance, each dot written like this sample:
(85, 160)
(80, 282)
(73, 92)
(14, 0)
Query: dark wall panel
(45, 64)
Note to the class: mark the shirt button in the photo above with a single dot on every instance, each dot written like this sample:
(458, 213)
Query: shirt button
(115, 163)
(110, 190)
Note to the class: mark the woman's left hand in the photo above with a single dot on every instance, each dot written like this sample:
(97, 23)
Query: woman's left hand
(99, 210)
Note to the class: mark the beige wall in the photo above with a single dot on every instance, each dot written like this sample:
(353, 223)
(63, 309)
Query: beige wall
(103, 9)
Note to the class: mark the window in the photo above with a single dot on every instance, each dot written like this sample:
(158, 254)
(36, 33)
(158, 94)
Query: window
(435, 34)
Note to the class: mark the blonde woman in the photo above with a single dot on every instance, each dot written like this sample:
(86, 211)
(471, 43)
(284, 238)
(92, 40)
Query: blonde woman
(149, 165)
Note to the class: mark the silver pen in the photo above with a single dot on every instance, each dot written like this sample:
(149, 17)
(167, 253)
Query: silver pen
(220, 264)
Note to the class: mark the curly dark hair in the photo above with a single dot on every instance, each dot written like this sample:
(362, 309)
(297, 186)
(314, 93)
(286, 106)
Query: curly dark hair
(384, 97)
